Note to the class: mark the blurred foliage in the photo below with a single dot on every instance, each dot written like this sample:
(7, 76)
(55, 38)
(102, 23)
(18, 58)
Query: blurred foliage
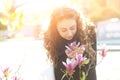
(97, 10)
(12, 15)
(2, 26)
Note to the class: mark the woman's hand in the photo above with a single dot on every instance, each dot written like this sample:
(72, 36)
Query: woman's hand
(70, 54)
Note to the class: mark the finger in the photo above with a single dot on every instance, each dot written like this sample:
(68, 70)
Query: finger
(67, 52)
(72, 54)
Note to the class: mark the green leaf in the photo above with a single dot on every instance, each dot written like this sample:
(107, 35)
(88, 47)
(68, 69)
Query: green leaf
(86, 61)
(83, 76)
(75, 48)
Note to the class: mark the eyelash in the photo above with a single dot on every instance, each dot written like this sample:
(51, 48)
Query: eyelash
(63, 30)
(70, 29)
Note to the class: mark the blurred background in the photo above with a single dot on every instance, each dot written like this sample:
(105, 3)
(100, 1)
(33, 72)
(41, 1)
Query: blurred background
(23, 22)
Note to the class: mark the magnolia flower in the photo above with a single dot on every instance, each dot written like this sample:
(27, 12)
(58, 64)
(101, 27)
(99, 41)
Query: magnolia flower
(73, 46)
(6, 72)
(16, 78)
(103, 51)
(81, 49)
(80, 58)
(70, 65)
(75, 52)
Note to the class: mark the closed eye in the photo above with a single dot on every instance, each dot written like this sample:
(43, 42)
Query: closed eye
(63, 29)
(72, 27)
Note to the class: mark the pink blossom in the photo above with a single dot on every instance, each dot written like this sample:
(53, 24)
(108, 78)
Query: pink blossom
(16, 78)
(80, 58)
(70, 65)
(103, 52)
(73, 46)
(6, 72)
(81, 49)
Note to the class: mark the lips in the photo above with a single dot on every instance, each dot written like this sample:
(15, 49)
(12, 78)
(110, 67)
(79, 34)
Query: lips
(69, 37)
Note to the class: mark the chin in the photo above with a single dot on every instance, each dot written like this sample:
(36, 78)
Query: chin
(69, 39)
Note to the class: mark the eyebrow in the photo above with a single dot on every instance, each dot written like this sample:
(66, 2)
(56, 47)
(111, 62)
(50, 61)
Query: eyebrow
(73, 25)
(62, 28)
(70, 26)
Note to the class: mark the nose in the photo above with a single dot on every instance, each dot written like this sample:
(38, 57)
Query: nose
(69, 33)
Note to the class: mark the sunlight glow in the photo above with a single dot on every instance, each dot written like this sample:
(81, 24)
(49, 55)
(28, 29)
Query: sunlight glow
(1, 7)
(41, 9)
(35, 11)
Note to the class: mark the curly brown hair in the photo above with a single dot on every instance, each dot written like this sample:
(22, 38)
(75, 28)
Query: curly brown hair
(52, 40)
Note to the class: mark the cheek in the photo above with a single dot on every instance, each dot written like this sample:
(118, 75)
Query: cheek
(74, 31)
(62, 34)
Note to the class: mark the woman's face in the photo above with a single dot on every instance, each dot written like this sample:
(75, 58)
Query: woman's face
(67, 28)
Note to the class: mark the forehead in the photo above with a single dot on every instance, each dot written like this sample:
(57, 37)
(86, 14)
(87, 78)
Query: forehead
(66, 23)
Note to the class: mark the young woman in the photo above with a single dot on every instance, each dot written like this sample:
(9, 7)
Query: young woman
(67, 25)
